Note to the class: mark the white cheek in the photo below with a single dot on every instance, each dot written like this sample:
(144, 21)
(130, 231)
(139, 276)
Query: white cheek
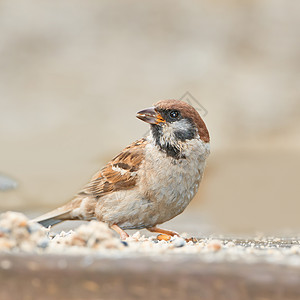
(182, 125)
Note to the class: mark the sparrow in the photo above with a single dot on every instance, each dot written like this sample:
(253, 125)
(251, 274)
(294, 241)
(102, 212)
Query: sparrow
(151, 181)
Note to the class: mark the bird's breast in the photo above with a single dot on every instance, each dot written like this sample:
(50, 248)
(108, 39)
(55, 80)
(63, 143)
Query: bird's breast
(170, 184)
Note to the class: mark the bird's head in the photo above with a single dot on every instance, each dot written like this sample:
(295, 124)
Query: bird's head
(173, 122)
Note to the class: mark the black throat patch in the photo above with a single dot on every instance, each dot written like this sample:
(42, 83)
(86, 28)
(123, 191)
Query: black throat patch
(170, 149)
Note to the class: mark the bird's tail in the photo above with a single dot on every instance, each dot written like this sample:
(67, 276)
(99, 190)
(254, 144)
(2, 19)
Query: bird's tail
(55, 216)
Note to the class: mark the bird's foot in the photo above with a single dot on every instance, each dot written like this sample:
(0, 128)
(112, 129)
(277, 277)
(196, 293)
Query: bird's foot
(163, 231)
(120, 231)
(165, 235)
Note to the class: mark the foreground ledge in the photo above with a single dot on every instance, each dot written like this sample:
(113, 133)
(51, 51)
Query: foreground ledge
(28, 276)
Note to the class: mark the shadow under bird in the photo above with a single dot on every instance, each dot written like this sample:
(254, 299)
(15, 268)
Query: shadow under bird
(151, 181)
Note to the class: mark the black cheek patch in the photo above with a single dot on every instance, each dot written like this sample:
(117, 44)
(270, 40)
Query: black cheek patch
(185, 135)
(189, 134)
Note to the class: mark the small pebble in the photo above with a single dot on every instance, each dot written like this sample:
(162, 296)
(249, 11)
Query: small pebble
(124, 243)
(136, 236)
(295, 249)
(43, 243)
(230, 245)
(214, 245)
(178, 242)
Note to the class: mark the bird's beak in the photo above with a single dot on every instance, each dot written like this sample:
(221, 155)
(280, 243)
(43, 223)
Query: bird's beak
(150, 115)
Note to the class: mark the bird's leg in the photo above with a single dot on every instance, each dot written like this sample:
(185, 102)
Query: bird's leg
(121, 232)
(163, 231)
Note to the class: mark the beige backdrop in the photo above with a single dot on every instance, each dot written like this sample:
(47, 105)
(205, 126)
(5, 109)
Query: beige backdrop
(73, 74)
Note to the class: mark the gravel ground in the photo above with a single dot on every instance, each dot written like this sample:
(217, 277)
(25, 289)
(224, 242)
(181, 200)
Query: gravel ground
(19, 235)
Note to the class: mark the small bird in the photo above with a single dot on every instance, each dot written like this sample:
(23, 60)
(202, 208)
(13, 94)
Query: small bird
(151, 181)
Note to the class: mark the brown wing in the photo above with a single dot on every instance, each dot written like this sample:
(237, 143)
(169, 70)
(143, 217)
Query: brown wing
(119, 173)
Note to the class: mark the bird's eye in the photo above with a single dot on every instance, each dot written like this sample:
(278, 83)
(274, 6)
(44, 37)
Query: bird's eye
(174, 114)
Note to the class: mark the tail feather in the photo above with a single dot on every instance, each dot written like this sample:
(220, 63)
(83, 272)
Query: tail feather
(49, 222)
(54, 217)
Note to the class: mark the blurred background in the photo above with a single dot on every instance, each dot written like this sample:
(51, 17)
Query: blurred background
(74, 73)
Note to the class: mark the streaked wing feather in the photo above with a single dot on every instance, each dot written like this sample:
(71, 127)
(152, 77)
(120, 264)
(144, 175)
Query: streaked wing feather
(119, 173)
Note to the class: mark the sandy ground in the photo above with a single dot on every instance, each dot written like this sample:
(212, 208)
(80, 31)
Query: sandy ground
(19, 235)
